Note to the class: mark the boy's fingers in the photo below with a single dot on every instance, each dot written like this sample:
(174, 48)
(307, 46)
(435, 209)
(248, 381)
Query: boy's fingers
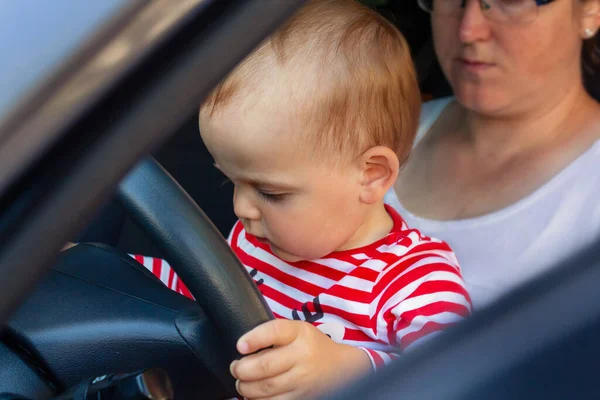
(266, 364)
(68, 245)
(266, 388)
(278, 332)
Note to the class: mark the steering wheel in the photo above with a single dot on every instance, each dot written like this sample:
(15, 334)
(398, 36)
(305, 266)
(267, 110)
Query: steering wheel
(196, 250)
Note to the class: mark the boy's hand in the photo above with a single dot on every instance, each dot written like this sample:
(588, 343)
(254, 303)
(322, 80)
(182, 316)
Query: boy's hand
(302, 362)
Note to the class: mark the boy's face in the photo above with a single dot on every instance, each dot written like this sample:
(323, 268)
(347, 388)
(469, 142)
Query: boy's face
(304, 208)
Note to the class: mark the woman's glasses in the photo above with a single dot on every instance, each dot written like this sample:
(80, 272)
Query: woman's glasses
(515, 11)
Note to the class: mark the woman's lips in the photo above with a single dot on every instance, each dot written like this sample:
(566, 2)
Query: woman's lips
(474, 66)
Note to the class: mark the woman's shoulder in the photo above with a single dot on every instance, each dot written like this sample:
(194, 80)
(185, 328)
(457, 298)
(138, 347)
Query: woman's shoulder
(430, 111)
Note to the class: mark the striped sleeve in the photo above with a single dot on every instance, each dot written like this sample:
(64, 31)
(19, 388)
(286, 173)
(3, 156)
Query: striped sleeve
(163, 271)
(379, 358)
(418, 297)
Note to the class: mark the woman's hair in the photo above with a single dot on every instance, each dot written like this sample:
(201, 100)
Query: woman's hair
(591, 65)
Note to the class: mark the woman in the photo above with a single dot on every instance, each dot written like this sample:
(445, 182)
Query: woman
(508, 171)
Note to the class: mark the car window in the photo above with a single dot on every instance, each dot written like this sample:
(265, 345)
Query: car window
(41, 35)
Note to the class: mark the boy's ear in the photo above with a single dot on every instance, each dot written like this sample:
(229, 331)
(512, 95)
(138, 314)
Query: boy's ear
(379, 169)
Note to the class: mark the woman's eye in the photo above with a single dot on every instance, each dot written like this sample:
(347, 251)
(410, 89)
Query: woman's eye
(271, 198)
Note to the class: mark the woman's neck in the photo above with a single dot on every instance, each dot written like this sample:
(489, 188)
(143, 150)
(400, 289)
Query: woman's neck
(543, 121)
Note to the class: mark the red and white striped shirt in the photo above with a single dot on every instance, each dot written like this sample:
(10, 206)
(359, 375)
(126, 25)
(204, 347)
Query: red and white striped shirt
(384, 298)
(163, 271)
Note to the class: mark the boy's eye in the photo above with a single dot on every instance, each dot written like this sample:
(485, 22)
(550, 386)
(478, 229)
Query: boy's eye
(269, 197)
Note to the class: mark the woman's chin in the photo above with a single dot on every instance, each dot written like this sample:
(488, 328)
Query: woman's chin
(481, 100)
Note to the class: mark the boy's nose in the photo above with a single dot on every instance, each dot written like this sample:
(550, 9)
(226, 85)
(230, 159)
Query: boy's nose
(243, 207)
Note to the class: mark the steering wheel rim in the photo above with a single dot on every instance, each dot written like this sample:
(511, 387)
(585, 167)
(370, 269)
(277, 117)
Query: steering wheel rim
(196, 250)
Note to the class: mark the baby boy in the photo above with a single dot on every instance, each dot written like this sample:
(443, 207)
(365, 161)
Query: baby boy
(312, 129)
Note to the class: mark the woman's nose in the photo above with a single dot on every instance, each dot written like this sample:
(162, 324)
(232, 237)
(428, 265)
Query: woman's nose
(474, 26)
(243, 207)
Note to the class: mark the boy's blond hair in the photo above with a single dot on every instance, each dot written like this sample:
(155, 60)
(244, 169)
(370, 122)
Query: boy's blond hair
(348, 71)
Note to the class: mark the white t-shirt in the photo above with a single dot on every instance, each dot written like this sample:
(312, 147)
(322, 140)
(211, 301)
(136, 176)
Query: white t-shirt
(501, 250)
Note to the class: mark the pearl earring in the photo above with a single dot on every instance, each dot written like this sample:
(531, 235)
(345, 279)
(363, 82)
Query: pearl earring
(589, 33)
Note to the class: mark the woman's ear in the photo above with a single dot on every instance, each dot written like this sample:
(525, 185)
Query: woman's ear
(590, 18)
(379, 169)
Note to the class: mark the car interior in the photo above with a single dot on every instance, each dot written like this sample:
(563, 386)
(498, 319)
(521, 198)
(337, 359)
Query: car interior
(71, 330)
(86, 330)
(186, 157)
